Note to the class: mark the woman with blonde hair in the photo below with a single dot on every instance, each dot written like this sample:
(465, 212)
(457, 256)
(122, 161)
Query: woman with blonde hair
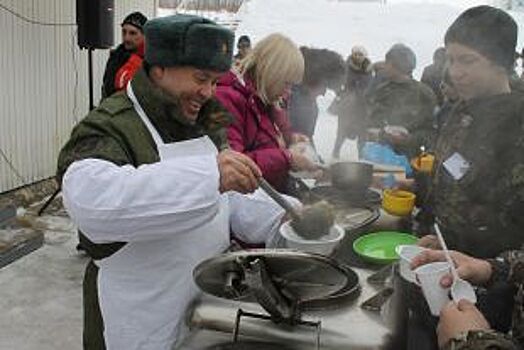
(252, 94)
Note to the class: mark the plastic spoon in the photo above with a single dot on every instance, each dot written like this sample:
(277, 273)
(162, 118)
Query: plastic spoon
(460, 289)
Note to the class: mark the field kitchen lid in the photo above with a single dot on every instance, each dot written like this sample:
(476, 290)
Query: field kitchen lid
(278, 279)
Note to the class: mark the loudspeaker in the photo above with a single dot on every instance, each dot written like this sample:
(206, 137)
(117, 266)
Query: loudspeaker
(96, 21)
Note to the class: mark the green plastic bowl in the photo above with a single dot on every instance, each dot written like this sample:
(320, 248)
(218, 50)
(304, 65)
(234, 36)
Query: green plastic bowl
(379, 247)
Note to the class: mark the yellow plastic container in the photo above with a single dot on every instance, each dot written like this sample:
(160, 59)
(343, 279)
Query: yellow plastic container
(423, 163)
(398, 202)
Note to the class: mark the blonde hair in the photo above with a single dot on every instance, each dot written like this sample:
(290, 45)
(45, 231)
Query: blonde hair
(274, 62)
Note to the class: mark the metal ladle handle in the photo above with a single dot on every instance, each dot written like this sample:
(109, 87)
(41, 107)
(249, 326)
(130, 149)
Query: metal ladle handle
(277, 197)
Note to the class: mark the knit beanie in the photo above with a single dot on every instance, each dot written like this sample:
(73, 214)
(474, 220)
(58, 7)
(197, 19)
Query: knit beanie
(136, 19)
(487, 30)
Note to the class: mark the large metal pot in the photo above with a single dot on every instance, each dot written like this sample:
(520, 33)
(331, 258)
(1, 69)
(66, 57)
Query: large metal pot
(351, 176)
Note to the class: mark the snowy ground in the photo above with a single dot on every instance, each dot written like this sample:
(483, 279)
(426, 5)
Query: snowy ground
(40, 295)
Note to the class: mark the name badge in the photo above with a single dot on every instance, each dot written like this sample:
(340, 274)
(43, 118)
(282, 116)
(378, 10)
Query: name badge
(456, 166)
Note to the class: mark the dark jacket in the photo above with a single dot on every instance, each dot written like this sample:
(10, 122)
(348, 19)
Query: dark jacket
(407, 103)
(117, 58)
(432, 77)
(350, 103)
(303, 111)
(481, 212)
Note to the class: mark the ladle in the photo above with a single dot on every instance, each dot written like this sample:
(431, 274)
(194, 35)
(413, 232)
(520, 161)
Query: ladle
(312, 222)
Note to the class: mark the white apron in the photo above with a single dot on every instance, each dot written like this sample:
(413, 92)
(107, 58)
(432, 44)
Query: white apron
(146, 287)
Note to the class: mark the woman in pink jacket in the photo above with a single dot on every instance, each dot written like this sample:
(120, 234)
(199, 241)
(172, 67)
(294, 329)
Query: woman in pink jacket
(252, 94)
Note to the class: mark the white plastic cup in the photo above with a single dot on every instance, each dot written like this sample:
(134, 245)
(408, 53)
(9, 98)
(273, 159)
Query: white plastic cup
(429, 277)
(406, 254)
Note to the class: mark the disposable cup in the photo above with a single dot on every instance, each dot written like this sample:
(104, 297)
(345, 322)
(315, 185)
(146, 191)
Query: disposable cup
(406, 254)
(429, 277)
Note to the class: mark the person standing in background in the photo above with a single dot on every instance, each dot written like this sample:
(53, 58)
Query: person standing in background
(130, 52)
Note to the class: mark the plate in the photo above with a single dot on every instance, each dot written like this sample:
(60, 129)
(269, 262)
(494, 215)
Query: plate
(379, 247)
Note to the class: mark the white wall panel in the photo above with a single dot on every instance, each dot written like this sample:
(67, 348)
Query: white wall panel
(44, 83)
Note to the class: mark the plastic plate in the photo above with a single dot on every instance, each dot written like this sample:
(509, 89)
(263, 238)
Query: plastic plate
(379, 247)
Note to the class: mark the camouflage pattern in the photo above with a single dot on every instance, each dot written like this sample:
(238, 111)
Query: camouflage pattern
(508, 268)
(482, 340)
(481, 213)
(407, 103)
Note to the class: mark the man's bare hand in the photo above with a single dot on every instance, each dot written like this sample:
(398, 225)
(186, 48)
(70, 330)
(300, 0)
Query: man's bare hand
(237, 172)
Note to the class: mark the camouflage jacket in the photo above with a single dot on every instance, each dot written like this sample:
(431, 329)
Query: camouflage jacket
(508, 268)
(406, 103)
(114, 132)
(481, 212)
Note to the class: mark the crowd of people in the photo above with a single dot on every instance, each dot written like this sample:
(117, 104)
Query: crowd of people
(166, 169)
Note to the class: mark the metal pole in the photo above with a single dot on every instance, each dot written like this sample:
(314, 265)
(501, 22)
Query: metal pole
(46, 204)
(90, 73)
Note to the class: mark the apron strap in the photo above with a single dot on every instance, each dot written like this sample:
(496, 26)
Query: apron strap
(143, 116)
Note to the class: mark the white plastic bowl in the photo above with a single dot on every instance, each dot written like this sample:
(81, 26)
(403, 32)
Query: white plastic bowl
(324, 246)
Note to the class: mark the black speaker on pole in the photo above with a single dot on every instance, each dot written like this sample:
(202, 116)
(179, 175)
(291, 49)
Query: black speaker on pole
(95, 20)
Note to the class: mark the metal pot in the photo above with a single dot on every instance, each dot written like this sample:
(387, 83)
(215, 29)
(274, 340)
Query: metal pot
(351, 176)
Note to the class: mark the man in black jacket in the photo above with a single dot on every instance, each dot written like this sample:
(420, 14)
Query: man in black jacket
(132, 40)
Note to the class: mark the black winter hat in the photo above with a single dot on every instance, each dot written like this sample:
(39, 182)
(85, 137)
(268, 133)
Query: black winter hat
(186, 40)
(402, 58)
(244, 39)
(488, 30)
(136, 19)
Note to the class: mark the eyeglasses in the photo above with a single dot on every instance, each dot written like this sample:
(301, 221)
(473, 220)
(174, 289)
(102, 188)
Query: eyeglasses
(243, 46)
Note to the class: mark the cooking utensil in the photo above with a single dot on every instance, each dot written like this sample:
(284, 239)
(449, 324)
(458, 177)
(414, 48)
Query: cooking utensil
(312, 222)
(341, 198)
(353, 176)
(301, 275)
(348, 293)
(379, 247)
(277, 197)
(460, 289)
